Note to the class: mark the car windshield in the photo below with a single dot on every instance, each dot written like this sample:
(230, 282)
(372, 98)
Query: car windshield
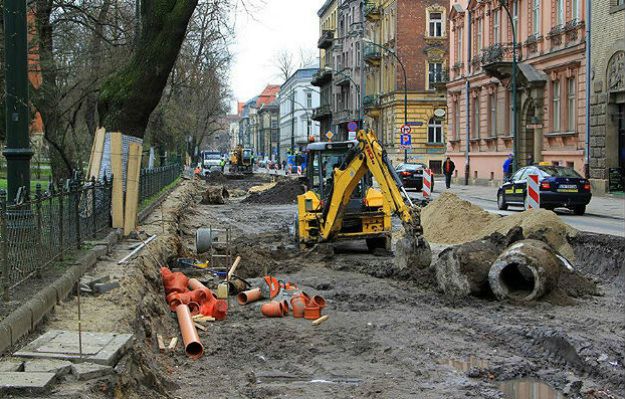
(212, 155)
(559, 171)
(412, 166)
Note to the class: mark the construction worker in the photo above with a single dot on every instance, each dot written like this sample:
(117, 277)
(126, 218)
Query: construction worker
(448, 170)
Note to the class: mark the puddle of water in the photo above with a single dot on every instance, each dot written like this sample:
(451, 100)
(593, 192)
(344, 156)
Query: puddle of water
(528, 389)
(466, 365)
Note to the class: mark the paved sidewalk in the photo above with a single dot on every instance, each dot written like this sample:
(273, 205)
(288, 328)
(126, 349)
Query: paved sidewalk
(610, 207)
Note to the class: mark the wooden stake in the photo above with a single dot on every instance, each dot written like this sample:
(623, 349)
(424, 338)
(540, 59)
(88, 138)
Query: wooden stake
(161, 344)
(97, 149)
(132, 187)
(117, 200)
(199, 326)
(320, 320)
(172, 343)
(233, 268)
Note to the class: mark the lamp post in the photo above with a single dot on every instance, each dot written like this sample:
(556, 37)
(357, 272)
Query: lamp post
(391, 52)
(515, 138)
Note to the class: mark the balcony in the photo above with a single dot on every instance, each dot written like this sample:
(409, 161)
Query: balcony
(322, 112)
(372, 10)
(439, 80)
(343, 116)
(371, 104)
(342, 78)
(372, 54)
(326, 39)
(322, 77)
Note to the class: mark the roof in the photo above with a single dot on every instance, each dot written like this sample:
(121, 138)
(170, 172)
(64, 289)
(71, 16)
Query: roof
(325, 7)
(302, 73)
(240, 105)
(268, 95)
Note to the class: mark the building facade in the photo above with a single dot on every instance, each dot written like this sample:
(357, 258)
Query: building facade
(551, 78)
(269, 131)
(297, 100)
(261, 124)
(406, 56)
(323, 78)
(607, 99)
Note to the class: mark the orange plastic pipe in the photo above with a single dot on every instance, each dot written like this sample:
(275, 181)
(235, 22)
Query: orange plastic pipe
(192, 345)
(272, 309)
(195, 284)
(249, 296)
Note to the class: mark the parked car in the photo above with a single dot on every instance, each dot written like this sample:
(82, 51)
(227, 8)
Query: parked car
(559, 187)
(411, 175)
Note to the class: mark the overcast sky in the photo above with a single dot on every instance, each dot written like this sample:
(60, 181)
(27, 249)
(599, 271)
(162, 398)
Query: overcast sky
(278, 24)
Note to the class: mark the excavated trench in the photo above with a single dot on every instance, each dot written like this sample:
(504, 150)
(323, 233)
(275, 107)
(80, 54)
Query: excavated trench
(388, 331)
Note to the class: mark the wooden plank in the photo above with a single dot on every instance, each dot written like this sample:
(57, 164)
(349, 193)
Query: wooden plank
(161, 344)
(172, 343)
(97, 149)
(202, 319)
(199, 326)
(132, 187)
(320, 320)
(117, 200)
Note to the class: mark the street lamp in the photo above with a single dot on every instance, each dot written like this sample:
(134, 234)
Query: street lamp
(391, 52)
(515, 143)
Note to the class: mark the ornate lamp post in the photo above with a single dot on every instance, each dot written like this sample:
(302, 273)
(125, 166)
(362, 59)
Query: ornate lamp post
(515, 151)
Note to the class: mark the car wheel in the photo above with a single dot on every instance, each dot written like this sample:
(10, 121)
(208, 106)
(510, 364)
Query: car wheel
(579, 209)
(501, 202)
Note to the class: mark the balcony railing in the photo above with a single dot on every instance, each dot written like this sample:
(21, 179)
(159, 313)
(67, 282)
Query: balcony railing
(326, 39)
(372, 53)
(439, 79)
(342, 77)
(371, 101)
(372, 10)
(343, 116)
(321, 77)
(321, 112)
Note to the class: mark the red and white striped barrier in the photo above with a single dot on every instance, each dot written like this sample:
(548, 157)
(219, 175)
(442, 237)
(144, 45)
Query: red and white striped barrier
(299, 170)
(532, 199)
(427, 183)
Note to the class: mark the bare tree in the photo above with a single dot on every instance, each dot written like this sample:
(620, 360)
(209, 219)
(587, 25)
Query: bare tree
(284, 64)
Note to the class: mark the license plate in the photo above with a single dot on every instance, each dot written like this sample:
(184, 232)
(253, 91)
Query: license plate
(567, 190)
(568, 186)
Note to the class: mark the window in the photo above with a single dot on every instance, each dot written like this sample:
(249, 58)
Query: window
(559, 12)
(574, 10)
(620, 2)
(436, 72)
(480, 29)
(436, 24)
(459, 46)
(571, 105)
(536, 16)
(457, 120)
(435, 131)
(476, 117)
(492, 99)
(556, 105)
(308, 100)
(496, 27)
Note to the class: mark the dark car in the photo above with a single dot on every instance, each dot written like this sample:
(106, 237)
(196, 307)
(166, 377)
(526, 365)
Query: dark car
(559, 187)
(411, 175)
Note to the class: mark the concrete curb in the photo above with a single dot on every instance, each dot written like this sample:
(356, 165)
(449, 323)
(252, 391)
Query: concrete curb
(143, 214)
(25, 319)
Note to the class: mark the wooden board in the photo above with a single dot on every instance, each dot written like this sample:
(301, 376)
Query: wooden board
(117, 200)
(97, 149)
(132, 187)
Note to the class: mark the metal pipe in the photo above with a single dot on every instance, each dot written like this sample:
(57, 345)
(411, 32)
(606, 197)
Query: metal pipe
(515, 122)
(588, 78)
(192, 345)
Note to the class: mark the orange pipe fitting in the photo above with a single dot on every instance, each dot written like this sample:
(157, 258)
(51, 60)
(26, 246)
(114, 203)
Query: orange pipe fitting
(176, 298)
(272, 309)
(248, 296)
(298, 304)
(312, 311)
(174, 281)
(319, 301)
(285, 307)
(194, 308)
(195, 284)
(192, 345)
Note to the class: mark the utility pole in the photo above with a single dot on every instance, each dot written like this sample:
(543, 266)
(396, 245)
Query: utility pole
(17, 152)
(293, 122)
(515, 122)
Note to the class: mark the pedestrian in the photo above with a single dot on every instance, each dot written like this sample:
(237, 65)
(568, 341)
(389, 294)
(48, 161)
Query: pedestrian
(507, 167)
(448, 170)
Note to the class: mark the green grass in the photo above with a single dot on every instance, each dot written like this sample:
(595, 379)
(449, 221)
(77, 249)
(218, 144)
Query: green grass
(33, 184)
(148, 201)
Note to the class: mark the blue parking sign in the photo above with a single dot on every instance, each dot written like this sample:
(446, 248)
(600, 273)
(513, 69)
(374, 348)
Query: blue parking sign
(406, 140)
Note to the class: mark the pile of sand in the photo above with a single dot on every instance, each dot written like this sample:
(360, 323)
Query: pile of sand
(283, 192)
(262, 187)
(451, 220)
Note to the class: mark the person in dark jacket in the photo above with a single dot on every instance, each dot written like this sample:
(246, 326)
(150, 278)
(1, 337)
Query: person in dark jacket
(448, 170)
(507, 167)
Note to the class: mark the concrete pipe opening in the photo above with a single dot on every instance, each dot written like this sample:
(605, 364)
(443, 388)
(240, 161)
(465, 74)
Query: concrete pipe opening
(518, 281)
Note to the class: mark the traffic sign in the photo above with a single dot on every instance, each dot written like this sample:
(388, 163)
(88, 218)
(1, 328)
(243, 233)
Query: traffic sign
(352, 126)
(406, 129)
(329, 135)
(405, 141)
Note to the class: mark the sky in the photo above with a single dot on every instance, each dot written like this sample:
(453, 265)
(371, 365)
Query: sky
(273, 26)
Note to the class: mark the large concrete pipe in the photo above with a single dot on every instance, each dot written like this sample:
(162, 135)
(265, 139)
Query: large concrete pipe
(203, 239)
(525, 271)
(192, 345)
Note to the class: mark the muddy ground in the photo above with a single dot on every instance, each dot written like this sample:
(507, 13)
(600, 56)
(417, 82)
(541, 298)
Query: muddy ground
(391, 334)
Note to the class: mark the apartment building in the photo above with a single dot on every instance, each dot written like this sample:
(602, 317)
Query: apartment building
(550, 36)
(328, 15)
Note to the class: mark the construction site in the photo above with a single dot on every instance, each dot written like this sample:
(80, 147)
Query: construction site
(348, 321)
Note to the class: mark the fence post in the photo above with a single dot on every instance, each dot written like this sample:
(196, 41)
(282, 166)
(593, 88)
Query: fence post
(76, 197)
(93, 206)
(61, 220)
(5, 247)
(39, 249)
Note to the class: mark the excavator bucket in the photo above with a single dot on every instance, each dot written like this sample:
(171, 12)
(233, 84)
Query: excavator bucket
(412, 250)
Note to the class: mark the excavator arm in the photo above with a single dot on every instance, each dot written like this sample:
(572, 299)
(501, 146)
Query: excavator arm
(367, 156)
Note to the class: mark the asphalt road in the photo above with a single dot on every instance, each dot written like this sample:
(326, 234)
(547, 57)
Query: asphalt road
(590, 223)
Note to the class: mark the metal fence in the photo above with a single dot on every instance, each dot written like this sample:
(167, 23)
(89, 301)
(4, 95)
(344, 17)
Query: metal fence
(153, 180)
(40, 229)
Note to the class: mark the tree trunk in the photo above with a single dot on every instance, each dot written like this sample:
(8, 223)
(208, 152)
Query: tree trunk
(128, 97)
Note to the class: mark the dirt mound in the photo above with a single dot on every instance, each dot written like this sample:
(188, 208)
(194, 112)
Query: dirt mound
(284, 192)
(451, 220)
(216, 178)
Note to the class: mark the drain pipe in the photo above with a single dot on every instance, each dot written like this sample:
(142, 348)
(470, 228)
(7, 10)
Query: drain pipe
(467, 87)
(191, 340)
(588, 79)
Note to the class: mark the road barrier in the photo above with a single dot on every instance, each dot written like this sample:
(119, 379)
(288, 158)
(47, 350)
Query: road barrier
(532, 199)
(427, 183)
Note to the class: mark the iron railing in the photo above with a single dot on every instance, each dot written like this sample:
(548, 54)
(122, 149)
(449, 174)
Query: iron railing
(153, 180)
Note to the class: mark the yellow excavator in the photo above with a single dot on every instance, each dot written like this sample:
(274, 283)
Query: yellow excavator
(341, 202)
